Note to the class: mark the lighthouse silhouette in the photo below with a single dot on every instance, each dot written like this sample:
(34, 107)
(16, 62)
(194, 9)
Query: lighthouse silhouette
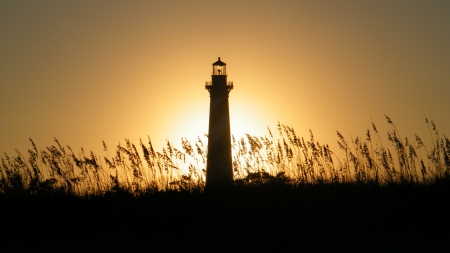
(219, 168)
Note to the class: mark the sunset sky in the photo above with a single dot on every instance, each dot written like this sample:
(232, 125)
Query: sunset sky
(87, 71)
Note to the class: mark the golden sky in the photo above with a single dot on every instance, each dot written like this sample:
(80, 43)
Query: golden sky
(87, 71)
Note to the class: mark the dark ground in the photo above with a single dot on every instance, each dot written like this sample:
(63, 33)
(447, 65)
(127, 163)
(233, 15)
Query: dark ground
(249, 219)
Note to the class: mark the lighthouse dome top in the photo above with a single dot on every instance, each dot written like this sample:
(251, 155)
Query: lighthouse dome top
(219, 68)
(219, 63)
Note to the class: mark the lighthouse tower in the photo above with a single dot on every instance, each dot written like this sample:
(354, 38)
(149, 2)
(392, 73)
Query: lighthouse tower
(219, 170)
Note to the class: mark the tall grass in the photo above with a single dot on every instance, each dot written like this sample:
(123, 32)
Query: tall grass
(285, 158)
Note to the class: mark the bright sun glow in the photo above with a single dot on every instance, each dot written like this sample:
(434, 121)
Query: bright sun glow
(244, 120)
(192, 122)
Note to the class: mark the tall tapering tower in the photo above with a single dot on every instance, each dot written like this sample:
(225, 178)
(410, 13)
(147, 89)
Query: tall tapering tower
(219, 170)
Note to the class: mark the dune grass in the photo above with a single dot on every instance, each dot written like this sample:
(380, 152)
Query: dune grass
(291, 194)
(285, 158)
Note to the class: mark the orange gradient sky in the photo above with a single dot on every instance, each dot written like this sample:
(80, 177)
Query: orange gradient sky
(87, 71)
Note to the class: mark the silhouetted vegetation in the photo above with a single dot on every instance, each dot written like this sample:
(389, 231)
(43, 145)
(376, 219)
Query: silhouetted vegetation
(290, 194)
(138, 169)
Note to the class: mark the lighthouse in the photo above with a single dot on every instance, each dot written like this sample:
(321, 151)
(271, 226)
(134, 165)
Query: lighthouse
(219, 168)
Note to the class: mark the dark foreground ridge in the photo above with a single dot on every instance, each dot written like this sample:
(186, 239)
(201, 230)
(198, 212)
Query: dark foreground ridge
(263, 218)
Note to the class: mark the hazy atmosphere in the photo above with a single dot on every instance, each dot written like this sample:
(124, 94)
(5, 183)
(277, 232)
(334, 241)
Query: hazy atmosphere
(87, 71)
